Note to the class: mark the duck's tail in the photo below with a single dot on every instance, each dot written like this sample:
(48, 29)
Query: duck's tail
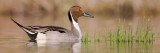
(31, 34)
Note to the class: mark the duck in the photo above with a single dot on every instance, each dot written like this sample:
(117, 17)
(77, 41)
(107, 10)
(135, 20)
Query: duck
(56, 33)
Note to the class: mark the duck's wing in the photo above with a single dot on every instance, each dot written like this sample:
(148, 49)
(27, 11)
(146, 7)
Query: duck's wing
(44, 29)
(33, 31)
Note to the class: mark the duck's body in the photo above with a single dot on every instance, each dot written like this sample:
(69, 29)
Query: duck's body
(57, 34)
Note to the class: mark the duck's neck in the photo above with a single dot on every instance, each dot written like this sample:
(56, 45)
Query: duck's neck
(75, 27)
(76, 30)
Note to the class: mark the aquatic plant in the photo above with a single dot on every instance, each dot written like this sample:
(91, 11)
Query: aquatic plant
(124, 33)
(106, 36)
(85, 38)
(158, 33)
(144, 32)
(96, 39)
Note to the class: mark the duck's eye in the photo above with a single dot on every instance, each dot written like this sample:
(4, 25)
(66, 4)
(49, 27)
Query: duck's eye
(79, 9)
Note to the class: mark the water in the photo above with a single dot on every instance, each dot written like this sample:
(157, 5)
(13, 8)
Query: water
(19, 46)
(14, 40)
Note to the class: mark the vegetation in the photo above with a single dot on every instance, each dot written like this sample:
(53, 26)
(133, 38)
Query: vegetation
(125, 34)
(85, 38)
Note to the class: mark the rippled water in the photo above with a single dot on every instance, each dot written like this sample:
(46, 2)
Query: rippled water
(14, 40)
(15, 45)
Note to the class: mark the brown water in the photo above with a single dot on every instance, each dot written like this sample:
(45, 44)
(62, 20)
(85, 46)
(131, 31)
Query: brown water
(14, 40)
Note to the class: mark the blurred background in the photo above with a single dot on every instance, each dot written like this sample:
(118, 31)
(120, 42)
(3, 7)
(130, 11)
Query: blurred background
(100, 7)
(54, 13)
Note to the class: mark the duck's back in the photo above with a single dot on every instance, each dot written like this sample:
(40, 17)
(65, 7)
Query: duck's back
(54, 33)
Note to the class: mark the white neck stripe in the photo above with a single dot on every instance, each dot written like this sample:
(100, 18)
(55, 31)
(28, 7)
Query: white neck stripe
(76, 25)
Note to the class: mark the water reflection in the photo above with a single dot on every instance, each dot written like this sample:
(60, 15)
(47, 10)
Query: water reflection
(131, 47)
(72, 47)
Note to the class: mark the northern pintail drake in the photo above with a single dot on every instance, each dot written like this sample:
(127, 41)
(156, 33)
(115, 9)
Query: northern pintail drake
(55, 33)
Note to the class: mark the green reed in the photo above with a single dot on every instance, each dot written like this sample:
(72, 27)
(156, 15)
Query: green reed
(113, 36)
(96, 38)
(130, 36)
(119, 34)
(106, 36)
(110, 36)
(85, 38)
(124, 33)
(144, 31)
(137, 30)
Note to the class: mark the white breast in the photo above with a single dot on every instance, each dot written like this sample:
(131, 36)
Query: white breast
(41, 39)
(41, 36)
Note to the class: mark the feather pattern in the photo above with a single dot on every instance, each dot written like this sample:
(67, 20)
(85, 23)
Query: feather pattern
(44, 29)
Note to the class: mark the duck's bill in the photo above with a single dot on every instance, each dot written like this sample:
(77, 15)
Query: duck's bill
(87, 15)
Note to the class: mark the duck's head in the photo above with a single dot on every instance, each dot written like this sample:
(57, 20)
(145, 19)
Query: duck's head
(75, 12)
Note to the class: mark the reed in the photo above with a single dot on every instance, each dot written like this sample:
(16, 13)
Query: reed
(125, 33)
(111, 37)
(85, 38)
(130, 36)
(137, 30)
(96, 39)
(158, 33)
(143, 33)
(106, 36)
(118, 32)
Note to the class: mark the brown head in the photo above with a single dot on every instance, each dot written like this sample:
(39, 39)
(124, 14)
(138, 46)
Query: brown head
(75, 12)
